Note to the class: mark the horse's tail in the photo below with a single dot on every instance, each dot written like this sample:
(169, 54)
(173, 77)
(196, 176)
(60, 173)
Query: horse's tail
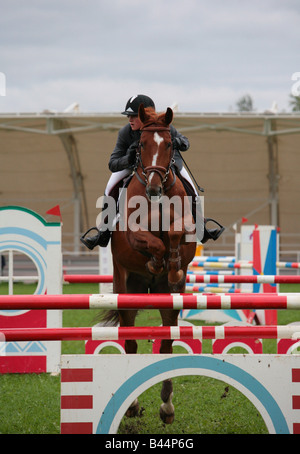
(110, 318)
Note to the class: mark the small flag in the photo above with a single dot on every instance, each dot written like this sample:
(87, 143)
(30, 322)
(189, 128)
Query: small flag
(244, 220)
(55, 211)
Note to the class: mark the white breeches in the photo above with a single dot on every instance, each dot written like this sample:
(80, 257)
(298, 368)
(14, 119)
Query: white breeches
(115, 178)
(118, 176)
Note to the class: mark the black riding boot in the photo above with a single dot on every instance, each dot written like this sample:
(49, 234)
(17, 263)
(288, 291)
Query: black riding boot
(205, 233)
(211, 234)
(103, 234)
(100, 239)
(202, 231)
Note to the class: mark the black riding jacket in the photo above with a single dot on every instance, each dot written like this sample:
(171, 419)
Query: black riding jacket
(119, 159)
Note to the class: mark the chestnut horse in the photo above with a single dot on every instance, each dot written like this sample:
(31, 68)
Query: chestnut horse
(153, 256)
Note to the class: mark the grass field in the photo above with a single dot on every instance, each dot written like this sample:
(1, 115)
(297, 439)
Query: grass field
(30, 404)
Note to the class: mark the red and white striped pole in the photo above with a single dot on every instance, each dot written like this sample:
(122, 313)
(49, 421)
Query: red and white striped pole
(154, 332)
(258, 279)
(153, 301)
(88, 278)
(195, 278)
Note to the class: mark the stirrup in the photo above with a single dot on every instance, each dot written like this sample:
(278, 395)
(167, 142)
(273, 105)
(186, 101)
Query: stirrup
(100, 239)
(212, 234)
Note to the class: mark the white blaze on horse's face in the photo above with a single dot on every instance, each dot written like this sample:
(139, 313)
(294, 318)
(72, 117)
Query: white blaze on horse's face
(158, 140)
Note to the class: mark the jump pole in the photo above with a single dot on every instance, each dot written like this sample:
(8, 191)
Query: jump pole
(195, 278)
(152, 332)
(221, 265)
(88, 278)
(153, 301)
(240, 279)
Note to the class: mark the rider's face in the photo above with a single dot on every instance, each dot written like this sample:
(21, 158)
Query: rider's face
(135, 122)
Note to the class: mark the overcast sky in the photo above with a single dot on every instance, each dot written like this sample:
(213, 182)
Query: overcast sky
(202, 54)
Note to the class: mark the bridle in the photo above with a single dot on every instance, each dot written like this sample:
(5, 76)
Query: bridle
(163, 172)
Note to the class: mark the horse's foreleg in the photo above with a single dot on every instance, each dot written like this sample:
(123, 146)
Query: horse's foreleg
(146, 242)
(156, 249)
(155, 266)
(176, 276)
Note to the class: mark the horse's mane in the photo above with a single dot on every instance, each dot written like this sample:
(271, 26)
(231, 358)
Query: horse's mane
(153, 117)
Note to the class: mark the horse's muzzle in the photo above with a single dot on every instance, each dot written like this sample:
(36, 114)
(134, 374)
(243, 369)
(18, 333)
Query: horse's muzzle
(153, 193)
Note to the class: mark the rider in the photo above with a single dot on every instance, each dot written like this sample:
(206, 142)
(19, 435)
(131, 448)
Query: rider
(122, 162)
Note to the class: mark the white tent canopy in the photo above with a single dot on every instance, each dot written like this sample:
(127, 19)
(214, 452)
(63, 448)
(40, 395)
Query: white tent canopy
(247, 163)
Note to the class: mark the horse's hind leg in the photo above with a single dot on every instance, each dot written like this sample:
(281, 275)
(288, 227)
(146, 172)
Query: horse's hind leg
(131, 347)
(127, 319)
(167, 411)
(133, 410)
(134, 284)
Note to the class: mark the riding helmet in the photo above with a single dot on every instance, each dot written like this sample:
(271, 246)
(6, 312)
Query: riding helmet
(132, 106)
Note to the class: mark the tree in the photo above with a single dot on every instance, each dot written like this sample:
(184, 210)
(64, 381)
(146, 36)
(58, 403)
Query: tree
(295, 103)
(245, 104)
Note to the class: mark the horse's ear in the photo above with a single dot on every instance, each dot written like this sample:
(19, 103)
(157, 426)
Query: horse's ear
(142, 113)
(169, 116)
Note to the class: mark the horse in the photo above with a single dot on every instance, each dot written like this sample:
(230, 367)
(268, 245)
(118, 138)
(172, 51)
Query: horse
(146, 256)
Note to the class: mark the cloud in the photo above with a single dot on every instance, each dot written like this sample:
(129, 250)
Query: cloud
(203, 54)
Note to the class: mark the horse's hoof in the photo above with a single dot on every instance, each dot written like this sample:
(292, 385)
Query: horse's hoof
(179, 283)
(165, 417)
(133, 410)
(153, 269)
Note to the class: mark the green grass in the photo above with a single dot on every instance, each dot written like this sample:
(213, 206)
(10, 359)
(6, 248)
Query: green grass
(30, 404)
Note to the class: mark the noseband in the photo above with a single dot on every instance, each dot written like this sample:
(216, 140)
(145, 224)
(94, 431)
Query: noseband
(163, 172)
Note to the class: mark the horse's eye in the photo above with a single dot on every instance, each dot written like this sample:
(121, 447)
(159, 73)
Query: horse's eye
(169, 145)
